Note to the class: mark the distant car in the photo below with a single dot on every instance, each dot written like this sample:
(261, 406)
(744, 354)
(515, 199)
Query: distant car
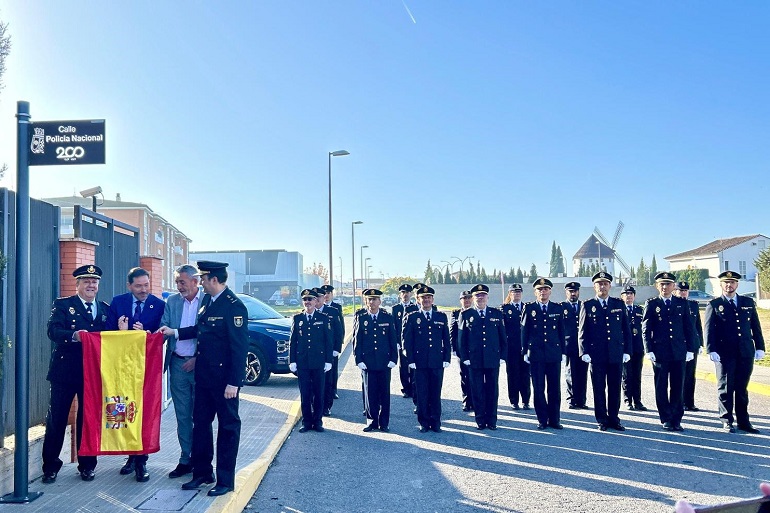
(752, 295)
(293, 301)
(268, 342)
(701, 297)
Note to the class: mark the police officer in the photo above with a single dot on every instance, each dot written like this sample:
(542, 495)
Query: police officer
(669, 340)
(632, 370)
(516, 369)
(483, 347)
(69, 316)
(334, 373)
(604, 337)
(576, 372)
(683, 290)
(425, 339)
(376, 352)
(337, 335)
(733, 340)
(310, 356)
(400, 312)
(543, 344)
(466, 300)
(222, 333)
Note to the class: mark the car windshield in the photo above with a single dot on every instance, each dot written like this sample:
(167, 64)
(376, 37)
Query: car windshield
(257, 309)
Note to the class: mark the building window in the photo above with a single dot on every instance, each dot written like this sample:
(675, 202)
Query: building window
(727, 265)
(742, 268)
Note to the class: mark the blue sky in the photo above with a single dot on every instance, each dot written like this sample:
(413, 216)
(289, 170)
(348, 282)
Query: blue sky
(488, 129)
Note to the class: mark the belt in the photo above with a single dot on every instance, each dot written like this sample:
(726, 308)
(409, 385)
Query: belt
(177, 355)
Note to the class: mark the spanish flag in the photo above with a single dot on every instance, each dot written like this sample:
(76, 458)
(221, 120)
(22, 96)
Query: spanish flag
(122, 373)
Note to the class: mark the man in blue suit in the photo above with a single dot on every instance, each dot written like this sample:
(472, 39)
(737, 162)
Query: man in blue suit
(137, 309)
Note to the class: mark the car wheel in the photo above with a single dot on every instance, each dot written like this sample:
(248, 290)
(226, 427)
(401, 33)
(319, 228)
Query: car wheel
(257, 371)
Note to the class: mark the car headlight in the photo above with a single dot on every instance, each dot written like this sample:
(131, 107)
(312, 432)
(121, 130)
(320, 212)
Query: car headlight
(282, 346)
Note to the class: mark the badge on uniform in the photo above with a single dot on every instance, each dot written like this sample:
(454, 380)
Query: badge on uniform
(399, 314)
(238, 321)
(657, 309)
(201, 309)
(366, 323)
(593, 309)
(566, 312)
(721, 308)
(419, 320)
(636, 332)
(72, 311)
(471, 319)
(301, 323)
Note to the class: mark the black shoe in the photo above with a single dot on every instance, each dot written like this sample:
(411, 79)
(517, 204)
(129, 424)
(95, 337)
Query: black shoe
(515, 406)
(197, 482)
(318, 429)
(493, 427)
(541, 426)
(556, 425)
(414, 411)
(181, 469)
(370, 428)
(631, 407)
(436, 429)
(728, 426)
(678, 427)
(585, 407)
(481, 427)
(602, 427)
(573, 407)
(691, 408)
(219, 490)
(336, 396)
(668, 426)
(87, 475)
(423, 429)
(49, 477)
(526, 407)
(327, 412)
(385, 429)
(128, 468)
(748, 428)
(641, 407)
(405, 395)
(618, 426)
(304, 429)
(142, 475)
(467, 408)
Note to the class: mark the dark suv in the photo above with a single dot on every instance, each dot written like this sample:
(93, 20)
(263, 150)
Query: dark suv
(268, 342)
(701, 297)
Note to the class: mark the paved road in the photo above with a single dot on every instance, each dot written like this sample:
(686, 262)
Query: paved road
(517, 468)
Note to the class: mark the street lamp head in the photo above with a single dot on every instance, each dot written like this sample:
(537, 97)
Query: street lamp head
(363, 247)
(339, 153)
(358, 222)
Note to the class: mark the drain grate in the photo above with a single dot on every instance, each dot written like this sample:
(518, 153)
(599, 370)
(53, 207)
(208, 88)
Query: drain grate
(167, 500)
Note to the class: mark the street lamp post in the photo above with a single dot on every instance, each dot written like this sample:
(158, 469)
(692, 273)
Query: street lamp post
(366, 267)
(362, 266)
(368, 273)
(462, 261)
(249, 271)
(338, 153)
(353, 257)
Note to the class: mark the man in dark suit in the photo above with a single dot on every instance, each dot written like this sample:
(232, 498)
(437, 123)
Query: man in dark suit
(376, 351)
(632, 370)
(483, 347)
(542, 341)
(400, 312)
(516, 369)
(220, 366)
(137, 309)
(69, 316)
(466, 299)
(604, 338)
(683, 290)
(576, 371)
(733, 340)
(425, 339)
(669, 340)
(310, 356)
(331, 378)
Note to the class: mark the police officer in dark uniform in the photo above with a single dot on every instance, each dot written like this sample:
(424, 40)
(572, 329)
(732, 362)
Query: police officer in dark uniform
(425, 339)
(542, 341)
(400, 312)
(683, 290)
(604, 337)
(310, 356)
(337, 334)
(223, 340)
(632, 370)
(466, 300)
(376, 352)
(576, 371)
(516, 369)
(669, 339)
(734, 340)
(69, 316)
(334, 373)
(483, 347)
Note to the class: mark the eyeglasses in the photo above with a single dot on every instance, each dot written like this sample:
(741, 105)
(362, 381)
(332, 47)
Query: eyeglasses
(308, 298)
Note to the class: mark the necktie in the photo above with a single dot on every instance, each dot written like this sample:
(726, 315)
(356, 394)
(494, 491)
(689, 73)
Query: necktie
(481, 313)
(89, 311)
(545, 310)
(732, 303)
(374, 318)
(138, 309)
(604, 304)
(574, 307)
(309, 318)
(668, 303)
(427, 316)
(630, 310)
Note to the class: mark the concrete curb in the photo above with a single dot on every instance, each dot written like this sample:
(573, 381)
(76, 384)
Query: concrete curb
(248, 479)
(757, 388)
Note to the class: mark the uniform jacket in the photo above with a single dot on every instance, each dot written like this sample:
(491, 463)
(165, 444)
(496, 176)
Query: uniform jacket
(223, 340)
(542, 335)
(311, 342)
(399, 316)
(635, 321)
(668, 331)
(482, 341)
(695, 313)
(375, 343)
(733, 332)
(426, 344)
(68, 315)
(453, 325)
(571, 322)
(337, 324)
(152, 312)
(512, 320)
(341, 318)
(604, 333)
(172, 317)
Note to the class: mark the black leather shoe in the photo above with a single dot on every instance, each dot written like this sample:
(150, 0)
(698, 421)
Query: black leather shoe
(87, 475)
(437, 429)
(142, 476)
(327, 412)
(480, 427)
(691, 408)
(197, 482)
(128, 468)
(304, 429)
(423, 429)
(556, 426)
(631, 407)
(541, 426)
(618, 427)
(49, 477)
(668, 426)
(602, 427)
(641, 407)
(526, 407)
(493, 427)
(467, 408)
(748, 428)
(219, 490)
(677, 428)
(515, 407)
(385, 429)
(405, 395)
(573, 407)
(180, 470)
(369, 428)
(318, 429)
(585, 407)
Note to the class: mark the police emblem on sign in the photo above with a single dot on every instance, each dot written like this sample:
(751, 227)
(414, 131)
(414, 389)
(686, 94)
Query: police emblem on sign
(238, 321)
(38, 141)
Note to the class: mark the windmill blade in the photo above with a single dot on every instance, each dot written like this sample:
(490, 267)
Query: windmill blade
(623, 264)
(600, 236)
(618, 231)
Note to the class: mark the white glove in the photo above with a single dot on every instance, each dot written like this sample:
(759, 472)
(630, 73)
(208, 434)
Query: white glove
(391, 365)
(564, 359)
(467, 363)
(327, 367)
(446, 364)
(651, 357)
(293, 367)
(335, 353)
(714, 357)
(626, 357)
(362, 366)
(759, 354)
(526, 358)
(502, 362)
(586, 358)
(689, 356)
(701, 350)
(412, 366)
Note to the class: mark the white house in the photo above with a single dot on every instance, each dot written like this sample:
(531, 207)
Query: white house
(594, 252)
(736, 254)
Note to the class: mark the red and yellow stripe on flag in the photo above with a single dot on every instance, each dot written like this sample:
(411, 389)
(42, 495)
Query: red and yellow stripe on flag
(122, 373)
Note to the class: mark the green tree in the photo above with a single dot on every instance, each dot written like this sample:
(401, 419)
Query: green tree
(552, 271)
(439, 277)
(560, 269)
(519, 275)
(653, 267)
(392, 284)
(762, 264)
(447, 276)
(696, 278)
(642, 274)
(532, 273)
(471, 277)
(428, 275)
(483, 276)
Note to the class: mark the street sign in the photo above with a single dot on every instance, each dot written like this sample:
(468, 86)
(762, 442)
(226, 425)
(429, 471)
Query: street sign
(56, 143)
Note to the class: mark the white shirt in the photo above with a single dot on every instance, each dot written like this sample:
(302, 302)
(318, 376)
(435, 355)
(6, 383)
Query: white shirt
(189, 318)
(93, 306)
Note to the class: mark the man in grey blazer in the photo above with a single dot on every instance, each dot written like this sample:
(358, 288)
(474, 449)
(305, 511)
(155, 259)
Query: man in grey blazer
(182, 311)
